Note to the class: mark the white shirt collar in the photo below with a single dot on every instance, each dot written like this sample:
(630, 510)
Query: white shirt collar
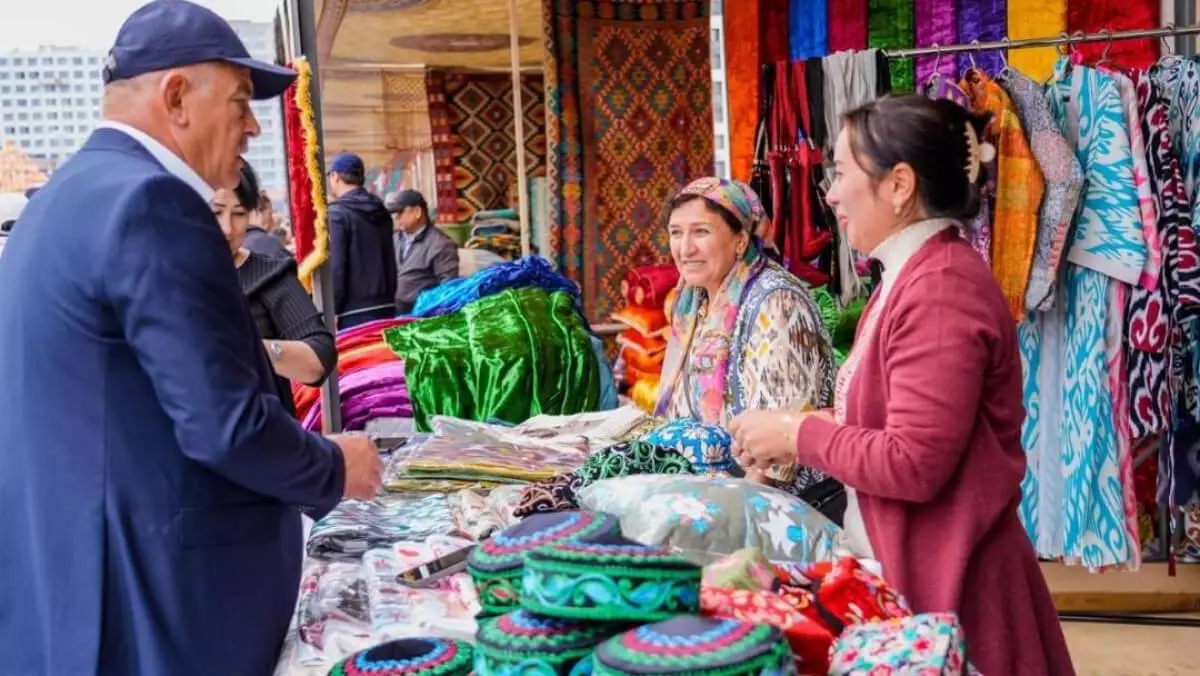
(900, 246)
(169, 160)
(416, 234)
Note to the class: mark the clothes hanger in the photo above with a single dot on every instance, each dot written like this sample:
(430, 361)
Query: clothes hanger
(1168, 45)
(1107, 48)
(937, 62)
(975, 44)
(1004, 69)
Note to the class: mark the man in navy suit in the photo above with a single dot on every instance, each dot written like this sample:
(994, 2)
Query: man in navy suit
(151, 488)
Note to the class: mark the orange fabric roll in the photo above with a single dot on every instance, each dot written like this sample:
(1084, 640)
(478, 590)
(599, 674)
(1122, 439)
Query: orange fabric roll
(743, 59)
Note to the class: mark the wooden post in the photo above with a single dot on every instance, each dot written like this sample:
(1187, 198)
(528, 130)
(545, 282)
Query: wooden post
(514, 47)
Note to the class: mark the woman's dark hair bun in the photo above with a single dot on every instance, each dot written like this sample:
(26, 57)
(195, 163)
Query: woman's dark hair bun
(930, 136)
(247, 190)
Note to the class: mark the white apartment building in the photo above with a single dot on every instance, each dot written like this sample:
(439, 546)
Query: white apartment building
(50, 100)
(266, 153)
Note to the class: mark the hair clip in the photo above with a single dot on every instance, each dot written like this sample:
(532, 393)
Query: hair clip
(978, 153)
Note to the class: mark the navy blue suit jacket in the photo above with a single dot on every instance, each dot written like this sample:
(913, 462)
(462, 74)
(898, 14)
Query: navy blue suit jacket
(149, 481)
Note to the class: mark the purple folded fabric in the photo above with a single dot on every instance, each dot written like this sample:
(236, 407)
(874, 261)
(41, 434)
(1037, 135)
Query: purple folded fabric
(376, 327)
(376, 387)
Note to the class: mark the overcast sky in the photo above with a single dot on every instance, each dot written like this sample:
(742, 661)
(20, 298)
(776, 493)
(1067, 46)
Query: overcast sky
(92, 24)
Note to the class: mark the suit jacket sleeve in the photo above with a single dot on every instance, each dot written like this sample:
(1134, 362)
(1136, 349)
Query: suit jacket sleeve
(445, 261)
(939, 342)
(172, 285)
(339, 254)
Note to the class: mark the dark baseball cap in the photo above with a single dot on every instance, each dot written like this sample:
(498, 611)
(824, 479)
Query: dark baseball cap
(166, 34)
(404, 199)
(348, 164)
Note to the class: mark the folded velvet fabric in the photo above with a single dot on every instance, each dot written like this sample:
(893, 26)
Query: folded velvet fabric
(508, 356)
(457, 293)
(373, 392)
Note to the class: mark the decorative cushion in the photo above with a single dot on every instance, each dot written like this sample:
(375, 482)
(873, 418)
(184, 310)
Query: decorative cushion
(840, 593)
(696, 646)
(648, 285)
(520, 642)
(932, 644)
(744, 569)
(649, 322)
(424, 656)
(810, 642)
(616, 579)
(644, 363)
(708, 447)
(631, 340)
(707, 517)
(496, 564)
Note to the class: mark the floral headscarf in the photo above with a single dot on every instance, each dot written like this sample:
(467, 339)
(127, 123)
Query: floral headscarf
(698, 351)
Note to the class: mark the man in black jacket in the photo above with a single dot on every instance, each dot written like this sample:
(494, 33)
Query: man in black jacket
(362, 255)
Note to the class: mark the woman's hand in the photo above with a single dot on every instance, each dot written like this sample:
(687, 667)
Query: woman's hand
(763, 439)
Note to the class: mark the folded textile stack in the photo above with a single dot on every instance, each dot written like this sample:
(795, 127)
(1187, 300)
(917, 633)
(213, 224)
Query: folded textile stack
(367, 394)
(507, 356)
(506, 245)
(646, 290)
(360, 348)
(443, 464)
(395, 608)
(355, 526)
(455, 294)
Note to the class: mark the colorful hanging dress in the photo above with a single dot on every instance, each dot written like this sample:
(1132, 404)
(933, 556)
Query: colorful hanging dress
(1075, 506)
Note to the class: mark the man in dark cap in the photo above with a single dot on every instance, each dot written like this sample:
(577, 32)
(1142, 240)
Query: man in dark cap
(151, 484)
(425, 256)
(362, 259)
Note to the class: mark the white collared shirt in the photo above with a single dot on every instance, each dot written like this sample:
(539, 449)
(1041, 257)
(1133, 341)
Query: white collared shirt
(406, 240)
(895, 251)
(169, 160)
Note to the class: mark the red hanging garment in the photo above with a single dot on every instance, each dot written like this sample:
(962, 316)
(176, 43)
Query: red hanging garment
(1094, 16)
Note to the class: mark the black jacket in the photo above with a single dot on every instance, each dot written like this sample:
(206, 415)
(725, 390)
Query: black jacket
(361, 254)
(261, 242)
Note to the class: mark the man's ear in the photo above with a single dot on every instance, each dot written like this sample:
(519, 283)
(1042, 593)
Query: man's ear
(172, 92)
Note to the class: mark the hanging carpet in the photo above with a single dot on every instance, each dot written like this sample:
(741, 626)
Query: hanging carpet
(629, 120)
(480, 111)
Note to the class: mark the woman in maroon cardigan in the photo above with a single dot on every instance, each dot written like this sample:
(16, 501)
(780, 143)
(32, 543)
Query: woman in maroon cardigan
(925, 433)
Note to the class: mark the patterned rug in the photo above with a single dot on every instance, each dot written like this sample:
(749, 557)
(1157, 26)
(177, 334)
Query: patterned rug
(443, 147)
(629, 120)
(484, 166)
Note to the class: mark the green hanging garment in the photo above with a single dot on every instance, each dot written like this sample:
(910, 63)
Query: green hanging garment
(509, 356)
(891, 25)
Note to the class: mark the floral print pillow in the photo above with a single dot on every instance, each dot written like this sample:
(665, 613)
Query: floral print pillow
(708, 517)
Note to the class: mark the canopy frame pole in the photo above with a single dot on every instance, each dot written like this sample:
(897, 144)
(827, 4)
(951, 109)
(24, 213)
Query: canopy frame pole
(514, 48)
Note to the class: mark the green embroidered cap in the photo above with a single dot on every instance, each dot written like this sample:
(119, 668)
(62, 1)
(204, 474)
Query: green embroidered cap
(520, 642)
(424, 656)
(696, 646)
(495, 566)
(613, 579)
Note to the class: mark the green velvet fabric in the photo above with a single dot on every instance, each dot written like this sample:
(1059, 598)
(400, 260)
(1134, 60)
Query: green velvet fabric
(509, 356)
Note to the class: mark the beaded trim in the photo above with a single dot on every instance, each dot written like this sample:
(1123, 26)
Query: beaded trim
(496, 565)
(520, 642)
(409, 657)
(696, 646)
(609, 581)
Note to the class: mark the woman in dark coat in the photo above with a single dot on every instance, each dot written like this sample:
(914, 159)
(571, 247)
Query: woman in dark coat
(296, 340)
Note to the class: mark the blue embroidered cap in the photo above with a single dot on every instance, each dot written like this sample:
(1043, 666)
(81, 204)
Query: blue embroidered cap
(166, 34)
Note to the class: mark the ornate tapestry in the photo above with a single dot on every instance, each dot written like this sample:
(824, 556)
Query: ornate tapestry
(443, 147)
(480, 109)
(629, 121)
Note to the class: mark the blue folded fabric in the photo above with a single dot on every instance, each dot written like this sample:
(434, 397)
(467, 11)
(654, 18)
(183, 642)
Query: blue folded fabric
(453, 295)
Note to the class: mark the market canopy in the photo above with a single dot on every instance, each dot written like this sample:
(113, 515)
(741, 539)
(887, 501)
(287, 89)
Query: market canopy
(373, 55)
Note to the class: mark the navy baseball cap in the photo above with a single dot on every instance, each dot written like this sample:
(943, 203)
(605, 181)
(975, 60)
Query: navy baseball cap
(404, 199)
(166, 34)
(347, 163)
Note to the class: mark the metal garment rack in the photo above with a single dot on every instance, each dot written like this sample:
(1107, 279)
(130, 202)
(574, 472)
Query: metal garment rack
(1062, 39)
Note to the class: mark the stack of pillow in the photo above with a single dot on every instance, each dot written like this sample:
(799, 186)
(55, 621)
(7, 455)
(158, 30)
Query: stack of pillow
(643, 344)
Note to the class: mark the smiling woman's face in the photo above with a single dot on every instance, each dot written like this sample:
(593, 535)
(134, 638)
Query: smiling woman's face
(703, 245)
(233, 218)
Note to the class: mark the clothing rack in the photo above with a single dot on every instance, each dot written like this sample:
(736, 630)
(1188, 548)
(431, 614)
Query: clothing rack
(1170, 30)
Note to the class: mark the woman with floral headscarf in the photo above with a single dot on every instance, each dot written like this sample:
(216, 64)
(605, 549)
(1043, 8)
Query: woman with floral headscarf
(744, 333)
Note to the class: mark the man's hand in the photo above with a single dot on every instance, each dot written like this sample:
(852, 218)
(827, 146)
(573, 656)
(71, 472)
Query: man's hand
(364, 469)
